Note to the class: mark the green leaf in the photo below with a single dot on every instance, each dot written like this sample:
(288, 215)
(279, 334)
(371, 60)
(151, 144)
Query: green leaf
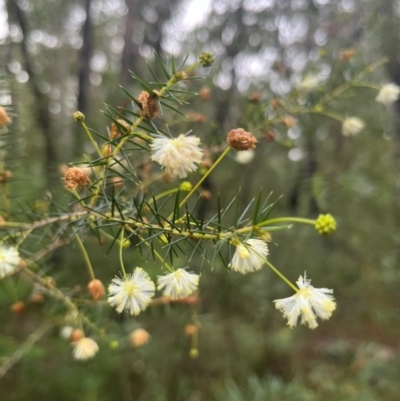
(173, 108)
(160, 63)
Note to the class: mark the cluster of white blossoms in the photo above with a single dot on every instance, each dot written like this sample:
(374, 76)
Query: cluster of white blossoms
(249, 256)
(131, 293)
(179, 156)
(352, 126)
(85, 348)
(178, 284)
(388, 94)
(9, 260)
(309, 303)
(134, 292)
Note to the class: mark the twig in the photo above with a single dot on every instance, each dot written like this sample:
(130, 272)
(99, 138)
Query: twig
(26, 346)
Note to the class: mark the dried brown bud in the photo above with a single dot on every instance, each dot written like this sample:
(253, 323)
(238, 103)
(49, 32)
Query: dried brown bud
(270, 136)
(255, 97)
(289, 121)
(205, 94)
(198, 117)
(276, 103)
(207, 163)
(240, 139)
(139, 337)
(18, 307)
(4, 117)
(37, 298)
(76, 335)
(117, 182)
(347, 54)
(167, 178)
(190, 329)
(279, 67)
(76, 178)
(107, 150)
(149, 105)
(115, 130)
(206, 194)
(5, 176)
(96, 289)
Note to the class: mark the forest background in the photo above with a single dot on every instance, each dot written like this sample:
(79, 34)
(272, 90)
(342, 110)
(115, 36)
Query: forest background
(61, 56)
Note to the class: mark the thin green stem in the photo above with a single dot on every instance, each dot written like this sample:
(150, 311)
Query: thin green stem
(334, 116)
(121, 258)
(85, 256)
(210, 170)
(89, 134)
(286, 220)
(276, 271)
(342, 88)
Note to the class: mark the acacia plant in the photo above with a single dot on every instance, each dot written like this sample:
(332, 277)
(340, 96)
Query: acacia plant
(114, 197)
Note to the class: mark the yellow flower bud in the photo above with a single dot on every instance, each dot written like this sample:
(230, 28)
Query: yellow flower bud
(186, 186)
(325, 224)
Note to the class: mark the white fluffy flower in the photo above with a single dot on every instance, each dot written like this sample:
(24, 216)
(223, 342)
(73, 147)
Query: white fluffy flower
(65, 332)
(309, 303)
(352, 126)
(309, 83)
(178, 284)
(9, 260)
(179, 156)
(388, 94)
(85, 348)
(249, 256)
(245, 156)
(132, 293)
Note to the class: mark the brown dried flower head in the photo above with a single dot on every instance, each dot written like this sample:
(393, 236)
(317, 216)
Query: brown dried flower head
(240, 139)
(270, 136)
(37, 298)
(347, 54)
(139, 337)
(96, 289)
(117, 182)
(149, 104)
(76, 335)
(190, 329)
(75, 178)
(5, 176)
(4, 117)
(18, 307)
(276, 103)
(289, 121)
(198, 117)
(255, 97)
(205, 94)
(116, 131)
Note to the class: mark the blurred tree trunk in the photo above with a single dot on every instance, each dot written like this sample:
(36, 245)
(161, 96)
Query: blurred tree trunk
(128, 53)
(84, 74)
(152, 33)
(41, 114)
(84, 62)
